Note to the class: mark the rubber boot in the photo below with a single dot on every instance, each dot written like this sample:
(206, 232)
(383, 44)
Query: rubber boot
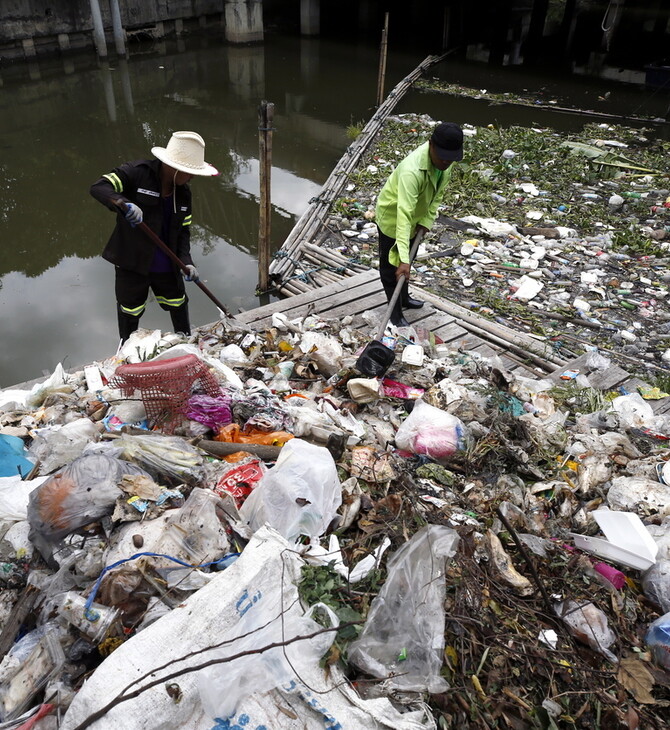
(127, 324)
(180, 320)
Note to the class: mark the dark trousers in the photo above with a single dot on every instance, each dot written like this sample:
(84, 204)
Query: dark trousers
(387, 273)
(132, 291)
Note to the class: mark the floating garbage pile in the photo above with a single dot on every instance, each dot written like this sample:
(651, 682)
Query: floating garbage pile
(563, 236)
(284, 543)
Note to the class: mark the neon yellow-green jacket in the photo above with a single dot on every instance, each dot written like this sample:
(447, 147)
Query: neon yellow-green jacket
(410, 197)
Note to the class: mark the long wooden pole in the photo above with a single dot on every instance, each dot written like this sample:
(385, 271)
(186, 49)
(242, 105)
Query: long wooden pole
(265, 118)
(173, 257)
(382, 61)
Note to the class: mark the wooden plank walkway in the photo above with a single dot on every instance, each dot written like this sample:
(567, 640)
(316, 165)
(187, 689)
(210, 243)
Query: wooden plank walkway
(363, 293)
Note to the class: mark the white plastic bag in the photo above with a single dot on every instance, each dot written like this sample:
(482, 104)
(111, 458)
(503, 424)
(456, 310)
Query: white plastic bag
(432, 432)
(300, 495)
(403, 637)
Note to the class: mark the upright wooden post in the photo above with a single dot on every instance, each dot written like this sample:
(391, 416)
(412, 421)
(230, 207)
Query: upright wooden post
(382, 61)
(265, 119)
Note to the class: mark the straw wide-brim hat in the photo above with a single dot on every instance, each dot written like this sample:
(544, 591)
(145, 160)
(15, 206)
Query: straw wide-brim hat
(185, 152)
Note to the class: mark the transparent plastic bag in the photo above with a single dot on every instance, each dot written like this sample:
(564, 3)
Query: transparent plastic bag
(656, 584)
(300, 495)
(27, 668)
(658, 639)
(164, 457)
(57, 446)
(588, 624)
(403, 637)
(82, 492)
(431, 432)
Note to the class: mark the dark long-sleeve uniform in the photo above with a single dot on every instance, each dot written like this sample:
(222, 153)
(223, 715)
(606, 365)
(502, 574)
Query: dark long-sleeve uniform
(138, 265)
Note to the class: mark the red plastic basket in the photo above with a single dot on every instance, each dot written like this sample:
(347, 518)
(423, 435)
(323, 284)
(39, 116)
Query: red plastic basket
(165, 387)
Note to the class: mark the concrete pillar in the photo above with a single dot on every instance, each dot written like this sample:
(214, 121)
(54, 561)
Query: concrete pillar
(244, 21)
(64, 41)
(310, 17)
(178, 26)
(98, 29)
(117, 26)
(29, 48)
(160, 29)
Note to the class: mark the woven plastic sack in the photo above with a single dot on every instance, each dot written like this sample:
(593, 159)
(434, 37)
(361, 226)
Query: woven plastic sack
(403, 637)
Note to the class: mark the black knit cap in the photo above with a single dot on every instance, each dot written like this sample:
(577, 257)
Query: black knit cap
(447, 139)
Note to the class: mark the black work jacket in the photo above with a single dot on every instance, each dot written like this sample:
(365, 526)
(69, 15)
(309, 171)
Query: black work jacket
(139, 182)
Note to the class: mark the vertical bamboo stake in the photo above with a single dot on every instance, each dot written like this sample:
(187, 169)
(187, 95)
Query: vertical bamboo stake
(265, 117)
(382, 61)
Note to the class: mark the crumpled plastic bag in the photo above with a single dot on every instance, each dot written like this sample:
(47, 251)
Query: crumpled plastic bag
(658, 640)
(404, 631)
(633, 411)
(431, 432)
(13, 456)
(82, 492)
(656, 584)
(211, 412)
(55, 383)
(589, 624)
(192, 533)
(56, 446)
(324, 350)
(626, 493)
(164, 456)
(300, 495)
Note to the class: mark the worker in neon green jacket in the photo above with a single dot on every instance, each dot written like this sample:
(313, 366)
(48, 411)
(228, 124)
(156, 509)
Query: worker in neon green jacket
(407, 203)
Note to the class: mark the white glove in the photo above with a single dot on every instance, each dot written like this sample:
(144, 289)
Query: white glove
(192, 273)
(133, 214)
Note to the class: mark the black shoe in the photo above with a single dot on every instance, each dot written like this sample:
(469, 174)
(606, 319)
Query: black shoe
(410, 303)
(398, 320)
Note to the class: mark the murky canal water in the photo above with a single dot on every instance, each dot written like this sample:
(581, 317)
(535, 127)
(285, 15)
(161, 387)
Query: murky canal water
(65, 122)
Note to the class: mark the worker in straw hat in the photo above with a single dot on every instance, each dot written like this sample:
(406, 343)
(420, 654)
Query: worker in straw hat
(154, 192)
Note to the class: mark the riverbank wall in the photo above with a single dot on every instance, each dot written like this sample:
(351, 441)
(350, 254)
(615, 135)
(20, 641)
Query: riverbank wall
(31, 28)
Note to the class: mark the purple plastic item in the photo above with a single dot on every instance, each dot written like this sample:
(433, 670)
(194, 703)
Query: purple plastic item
(211, 412)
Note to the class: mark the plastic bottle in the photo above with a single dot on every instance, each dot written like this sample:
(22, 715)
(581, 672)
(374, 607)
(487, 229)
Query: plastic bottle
(94, 622)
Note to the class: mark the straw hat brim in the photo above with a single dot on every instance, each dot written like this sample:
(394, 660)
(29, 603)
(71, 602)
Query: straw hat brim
(163, 155)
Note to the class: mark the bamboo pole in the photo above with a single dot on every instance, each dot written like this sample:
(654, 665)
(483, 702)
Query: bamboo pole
(265, 118)
(382, 61)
